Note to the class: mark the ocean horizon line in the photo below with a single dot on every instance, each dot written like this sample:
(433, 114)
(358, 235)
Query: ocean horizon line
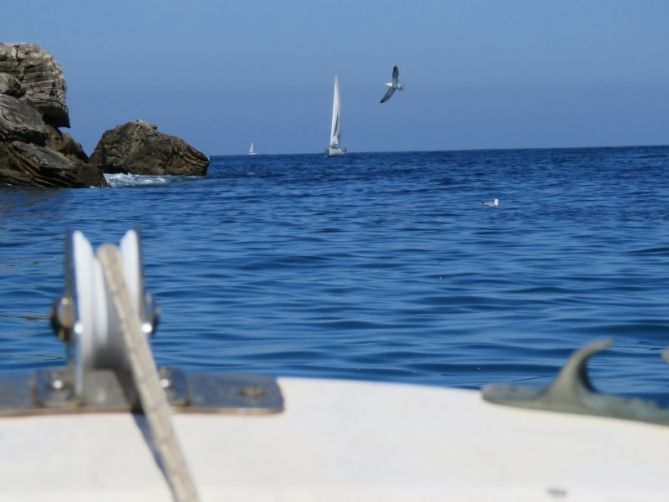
(494, 149)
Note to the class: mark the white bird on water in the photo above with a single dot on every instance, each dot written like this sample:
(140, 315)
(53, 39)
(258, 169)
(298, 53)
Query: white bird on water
(494, 203)
(392, 86)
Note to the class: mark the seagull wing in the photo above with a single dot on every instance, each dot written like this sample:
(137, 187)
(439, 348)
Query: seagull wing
(396, 74)
(387, 95)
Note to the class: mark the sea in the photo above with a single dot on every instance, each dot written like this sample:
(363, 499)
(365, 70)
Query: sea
(374, 266)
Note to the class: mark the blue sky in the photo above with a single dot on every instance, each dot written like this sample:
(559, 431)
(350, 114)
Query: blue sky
(479, 74)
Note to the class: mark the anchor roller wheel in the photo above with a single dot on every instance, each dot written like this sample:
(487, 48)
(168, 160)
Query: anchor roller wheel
(83, 317)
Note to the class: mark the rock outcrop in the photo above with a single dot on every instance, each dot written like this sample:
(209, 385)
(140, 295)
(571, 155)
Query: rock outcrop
(137, 147)
(33, 152)
(41, 79)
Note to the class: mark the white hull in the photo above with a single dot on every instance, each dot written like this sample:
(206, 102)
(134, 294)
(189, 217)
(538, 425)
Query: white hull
(339, 440)
(333, 152)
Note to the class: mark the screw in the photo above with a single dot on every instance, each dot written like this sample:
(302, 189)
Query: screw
(62, 317)
(252, 391)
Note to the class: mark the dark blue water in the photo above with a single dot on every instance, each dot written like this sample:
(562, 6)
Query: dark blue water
(375, 266)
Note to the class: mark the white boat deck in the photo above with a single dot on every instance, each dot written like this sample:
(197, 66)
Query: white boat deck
(345, 441)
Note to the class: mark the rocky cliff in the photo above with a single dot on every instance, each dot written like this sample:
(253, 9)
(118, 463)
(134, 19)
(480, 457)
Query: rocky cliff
(33, 152)
(41, 79)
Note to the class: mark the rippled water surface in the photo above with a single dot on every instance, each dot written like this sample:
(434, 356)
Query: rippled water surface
(374, 266)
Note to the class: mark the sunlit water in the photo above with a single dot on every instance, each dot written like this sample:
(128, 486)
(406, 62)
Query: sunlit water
(374, 266)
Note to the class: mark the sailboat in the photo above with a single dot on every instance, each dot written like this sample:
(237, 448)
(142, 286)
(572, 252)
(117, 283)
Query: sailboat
(335, 132)
(252, 149)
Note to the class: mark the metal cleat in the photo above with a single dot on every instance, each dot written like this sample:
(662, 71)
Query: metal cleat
(572, 392)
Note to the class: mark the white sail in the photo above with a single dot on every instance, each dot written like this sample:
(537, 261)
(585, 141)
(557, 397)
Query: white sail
(252, 150)
(335, 130)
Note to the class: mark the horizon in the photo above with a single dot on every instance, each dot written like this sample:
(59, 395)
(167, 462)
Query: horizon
(456, 150)
(478, 75)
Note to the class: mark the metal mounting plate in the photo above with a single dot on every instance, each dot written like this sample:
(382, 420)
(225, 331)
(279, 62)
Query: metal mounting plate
(51, 391)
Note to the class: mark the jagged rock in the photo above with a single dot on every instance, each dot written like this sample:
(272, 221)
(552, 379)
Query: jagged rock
(33, 153)
(137, 147)
(25, 164)
(20, 121)
(11, 86)
(41, 79)
(65, 144)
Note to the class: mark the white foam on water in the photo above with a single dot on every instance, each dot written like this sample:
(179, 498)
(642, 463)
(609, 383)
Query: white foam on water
(130, 180)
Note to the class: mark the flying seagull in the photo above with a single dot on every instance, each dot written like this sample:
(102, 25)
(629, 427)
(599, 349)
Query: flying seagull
(392, 86)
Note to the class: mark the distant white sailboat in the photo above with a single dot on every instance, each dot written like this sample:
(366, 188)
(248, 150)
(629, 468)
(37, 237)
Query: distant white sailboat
(252, 150)
(335, 132)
